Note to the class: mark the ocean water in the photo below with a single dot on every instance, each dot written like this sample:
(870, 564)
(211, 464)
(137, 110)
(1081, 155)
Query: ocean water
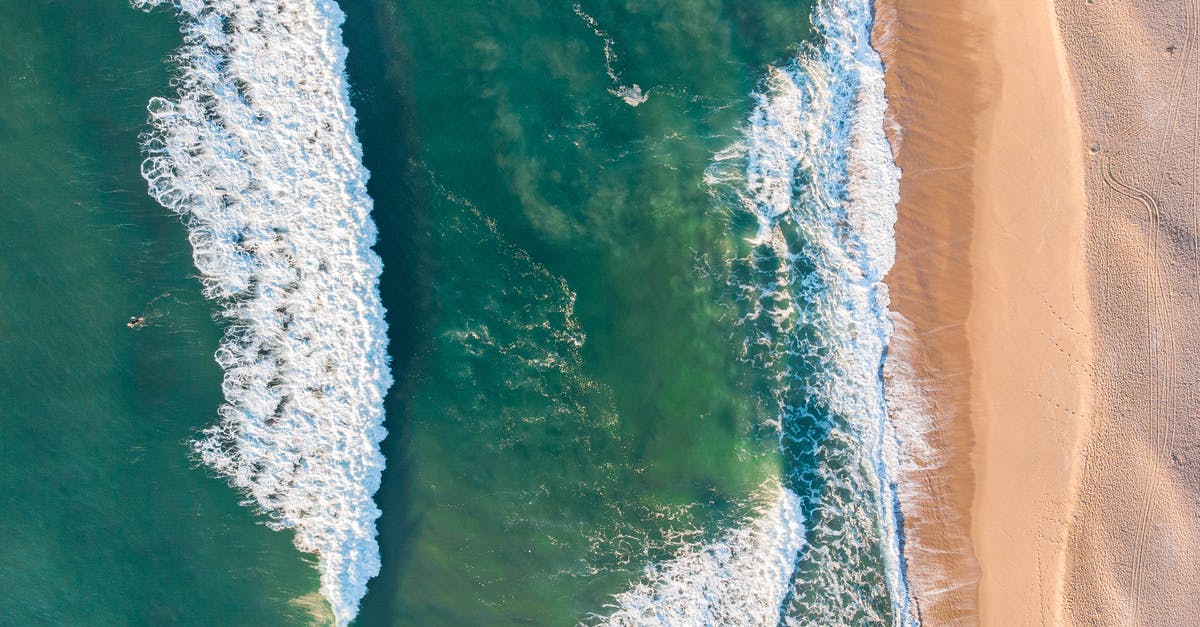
(606, 272)
(106, 518)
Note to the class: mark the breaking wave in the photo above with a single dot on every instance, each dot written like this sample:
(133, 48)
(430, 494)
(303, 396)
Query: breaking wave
(740, 579)
(257, 153)
(815, 175)
(812, 187)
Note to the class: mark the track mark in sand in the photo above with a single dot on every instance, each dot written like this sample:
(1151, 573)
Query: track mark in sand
(1195, 188)
(1155, 318)
(1161, 347)
(1075, 336)
(1068, 341)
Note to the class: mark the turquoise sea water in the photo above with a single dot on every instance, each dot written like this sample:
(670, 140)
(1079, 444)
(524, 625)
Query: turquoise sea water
(588, 376)
(106, 519)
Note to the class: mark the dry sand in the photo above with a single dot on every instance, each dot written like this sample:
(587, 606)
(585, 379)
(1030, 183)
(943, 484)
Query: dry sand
(992, 291)
(1134, 554)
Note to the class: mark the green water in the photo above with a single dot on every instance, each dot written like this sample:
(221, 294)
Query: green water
(106, 520)
(548, 212)
(568, 404)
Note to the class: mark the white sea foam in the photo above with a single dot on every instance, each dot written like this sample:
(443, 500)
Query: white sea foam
(741, 579)
(257, 152)
(815, 171)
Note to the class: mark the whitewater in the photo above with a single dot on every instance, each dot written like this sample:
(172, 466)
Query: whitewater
(257, 153)
(814, 175)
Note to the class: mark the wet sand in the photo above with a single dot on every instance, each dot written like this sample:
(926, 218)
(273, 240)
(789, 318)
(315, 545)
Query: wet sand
(991, 294)
(934, 100)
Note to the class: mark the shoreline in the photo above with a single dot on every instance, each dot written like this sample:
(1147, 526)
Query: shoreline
(930, 285)
(992, 347)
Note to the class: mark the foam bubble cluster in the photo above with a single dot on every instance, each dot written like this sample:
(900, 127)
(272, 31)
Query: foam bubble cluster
(741, 579)
(815, 173)
(257, 152)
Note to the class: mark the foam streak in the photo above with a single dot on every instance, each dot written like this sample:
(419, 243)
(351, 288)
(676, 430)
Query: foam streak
(815, 172)
(257, 153)
(741, 579)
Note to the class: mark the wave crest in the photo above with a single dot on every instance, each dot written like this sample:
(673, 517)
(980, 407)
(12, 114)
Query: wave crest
(257, 153)
(740, 579)
(814, 183)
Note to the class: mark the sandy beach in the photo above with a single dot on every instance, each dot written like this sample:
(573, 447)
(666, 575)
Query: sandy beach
(991, 288)
(1047, 278)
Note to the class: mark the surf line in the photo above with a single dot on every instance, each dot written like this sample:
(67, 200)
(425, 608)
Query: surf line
(256, 151)
(813, 172)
